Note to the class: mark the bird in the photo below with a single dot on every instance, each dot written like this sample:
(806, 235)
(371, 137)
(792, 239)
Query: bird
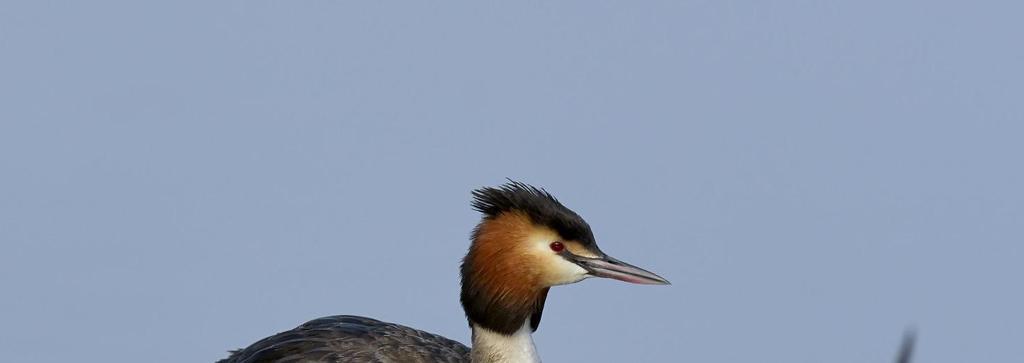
(525, 243)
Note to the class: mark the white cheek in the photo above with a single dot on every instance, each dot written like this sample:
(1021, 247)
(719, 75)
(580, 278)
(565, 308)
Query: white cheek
(567, 272)
(557, 270)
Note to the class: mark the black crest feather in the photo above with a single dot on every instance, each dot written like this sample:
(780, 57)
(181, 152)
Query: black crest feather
(513, 195)
(536, 203)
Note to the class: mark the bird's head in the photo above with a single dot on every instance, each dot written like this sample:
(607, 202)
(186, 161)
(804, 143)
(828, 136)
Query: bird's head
(526, 242)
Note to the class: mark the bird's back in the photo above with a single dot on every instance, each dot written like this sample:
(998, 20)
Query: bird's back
(355, 339)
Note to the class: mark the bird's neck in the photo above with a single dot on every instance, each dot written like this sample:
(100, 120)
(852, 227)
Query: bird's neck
(493, 347)
(499, 290)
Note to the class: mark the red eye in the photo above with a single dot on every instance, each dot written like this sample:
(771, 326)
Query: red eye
(557, 246)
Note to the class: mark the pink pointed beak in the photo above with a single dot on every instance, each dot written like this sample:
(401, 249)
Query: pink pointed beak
(610, 267)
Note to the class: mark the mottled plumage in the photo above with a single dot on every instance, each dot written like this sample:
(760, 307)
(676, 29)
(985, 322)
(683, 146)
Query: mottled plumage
(352, 339)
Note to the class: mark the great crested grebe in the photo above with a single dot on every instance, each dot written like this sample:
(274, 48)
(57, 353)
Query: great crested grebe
(525, 243)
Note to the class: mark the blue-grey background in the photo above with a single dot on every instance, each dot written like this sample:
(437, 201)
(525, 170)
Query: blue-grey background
(183, 178)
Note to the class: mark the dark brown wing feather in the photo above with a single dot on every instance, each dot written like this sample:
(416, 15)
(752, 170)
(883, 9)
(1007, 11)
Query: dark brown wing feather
(352, 339)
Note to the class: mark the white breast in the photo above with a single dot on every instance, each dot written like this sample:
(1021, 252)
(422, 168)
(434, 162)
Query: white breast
(492, 347)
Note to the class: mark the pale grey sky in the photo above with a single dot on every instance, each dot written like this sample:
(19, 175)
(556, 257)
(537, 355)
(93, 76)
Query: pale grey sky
(182, 178)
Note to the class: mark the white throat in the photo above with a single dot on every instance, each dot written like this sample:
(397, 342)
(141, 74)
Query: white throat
(493, 347)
